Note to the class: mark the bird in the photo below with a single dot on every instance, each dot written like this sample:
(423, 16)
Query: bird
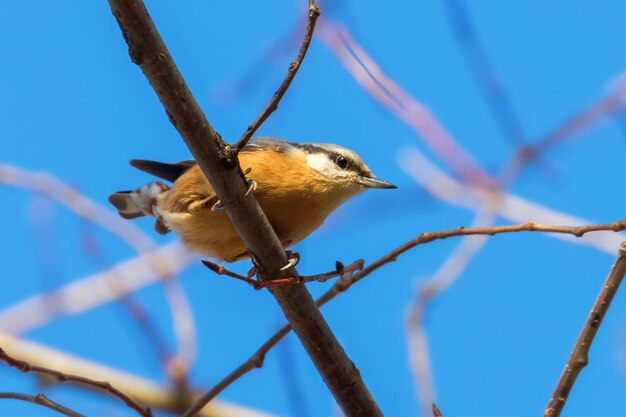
(297, 186)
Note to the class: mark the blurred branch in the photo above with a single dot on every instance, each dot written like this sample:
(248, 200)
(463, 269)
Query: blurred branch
(292, 383)
(146, 326)
(491, 201)
(91, 211)
(42, 400)
(104, 386)
(420, 362)
(77, 203)
(580, 354)
(219, 164)
(415, 114)
(258, 357)
(496, 97)
(96, 289)
(510, 207)
(314, 13)
(436, 411)
(610, 104)
(157, 396)
(485, 190)
(607, 105)
(444, 277)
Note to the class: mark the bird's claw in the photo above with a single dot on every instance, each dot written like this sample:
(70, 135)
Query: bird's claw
(251, 273)
(257, 285)
(218, 206)
(294, 258)
(251, 186)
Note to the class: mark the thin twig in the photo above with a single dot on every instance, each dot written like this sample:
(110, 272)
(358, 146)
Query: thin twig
(373, 80)
(494, 200)
(167, 398)
(42, 400)
(511, 207)
(258, 357)
(340, 269)
(349, 278)
(220, 165)
(255, 361)
(314, 13)
(577, 231)
(367, 73)
(105, 386)
(579, 357)
(436, 411)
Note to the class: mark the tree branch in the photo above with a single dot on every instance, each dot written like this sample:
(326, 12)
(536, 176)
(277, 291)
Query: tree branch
(43, 401)
(579, 357)
(167, 398)
(219, 164)
(105, 386)
(428, 237)
(511, 207)
(314, 13)
(96, 289)
(355, 272)
(258, 357)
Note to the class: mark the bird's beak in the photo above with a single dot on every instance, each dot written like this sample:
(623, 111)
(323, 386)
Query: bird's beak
(375, 183)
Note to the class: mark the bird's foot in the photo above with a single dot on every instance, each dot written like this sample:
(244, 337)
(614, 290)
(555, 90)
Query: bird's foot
(249, 278)
(294, 258)
(251, 186)
(218, 206)
(251, 183)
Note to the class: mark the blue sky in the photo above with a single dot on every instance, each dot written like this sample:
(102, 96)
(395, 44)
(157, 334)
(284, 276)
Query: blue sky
(75, 107)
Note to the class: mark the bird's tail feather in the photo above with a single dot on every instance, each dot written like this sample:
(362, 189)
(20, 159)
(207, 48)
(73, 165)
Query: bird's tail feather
(140, 202)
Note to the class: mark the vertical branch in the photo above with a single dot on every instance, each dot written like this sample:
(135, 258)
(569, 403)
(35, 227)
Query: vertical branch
(579, 357)
(220, 165)
(314, 13)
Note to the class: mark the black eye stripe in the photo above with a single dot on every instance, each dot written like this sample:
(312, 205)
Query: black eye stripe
(332, 155)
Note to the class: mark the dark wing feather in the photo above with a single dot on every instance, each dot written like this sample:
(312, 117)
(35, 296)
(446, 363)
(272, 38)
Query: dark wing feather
(171, 172)
(168, 172)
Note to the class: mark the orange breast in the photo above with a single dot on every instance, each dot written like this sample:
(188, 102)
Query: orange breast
(290, 194)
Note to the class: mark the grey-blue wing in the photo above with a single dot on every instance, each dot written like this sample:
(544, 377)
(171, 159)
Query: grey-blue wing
(266, 143)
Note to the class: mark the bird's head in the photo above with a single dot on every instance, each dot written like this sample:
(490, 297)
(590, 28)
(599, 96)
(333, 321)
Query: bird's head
(340, 168)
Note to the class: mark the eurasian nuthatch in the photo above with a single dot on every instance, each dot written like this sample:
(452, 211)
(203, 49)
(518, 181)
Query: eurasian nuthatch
(296, 185)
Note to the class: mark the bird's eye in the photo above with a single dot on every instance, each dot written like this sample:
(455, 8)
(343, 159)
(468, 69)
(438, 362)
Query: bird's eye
(341, 162)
